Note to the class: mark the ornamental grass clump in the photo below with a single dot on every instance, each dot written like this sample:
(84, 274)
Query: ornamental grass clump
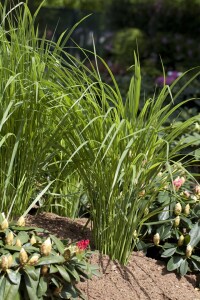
(30, 91)
(119, 147)
(43, 267)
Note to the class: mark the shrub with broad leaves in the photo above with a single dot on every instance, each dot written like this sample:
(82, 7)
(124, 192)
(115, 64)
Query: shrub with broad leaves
(35, 265)
(174, 233)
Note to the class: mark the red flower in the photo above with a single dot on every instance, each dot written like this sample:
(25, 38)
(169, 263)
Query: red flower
(83, 244)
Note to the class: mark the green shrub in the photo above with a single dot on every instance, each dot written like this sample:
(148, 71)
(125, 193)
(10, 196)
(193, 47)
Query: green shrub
(36, 266)
(171, 28)
(130, 38)
(175, 231)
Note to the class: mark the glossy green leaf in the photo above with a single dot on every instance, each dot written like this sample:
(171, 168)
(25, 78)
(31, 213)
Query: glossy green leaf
(197, 209)
(8, 287)
(2, 286)
(58, 243)
(15, 259)
(164, 231)
(187, 221)
(12, 248)
(168, 245)
(14, 276)
(82, 273)
(71, 270)
(12, 291)
(169, 252)
(46, 260)
(63, 272)
(31, 286)
(180, 251)
(164, 215)
(23, 236)
(195, 234)
(32, 272)
(196, 265)
(31, 249)
(186, 239)
(68, 292)
(24, 228)
(195, 257)
(163, 197)
(184, 267)
(174, 263)
(55, 281)
(53, 269)
(42, 286)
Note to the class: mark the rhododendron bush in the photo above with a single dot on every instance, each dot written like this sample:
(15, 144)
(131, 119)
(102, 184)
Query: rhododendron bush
(33, 266)
(174, 234)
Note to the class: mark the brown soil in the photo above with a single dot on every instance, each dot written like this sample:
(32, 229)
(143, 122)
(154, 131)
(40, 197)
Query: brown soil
(143, 278)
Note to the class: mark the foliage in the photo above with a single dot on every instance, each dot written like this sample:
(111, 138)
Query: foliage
(171, 28)
(37, 267)
(131, 38)
(176, 229)
(27, 118)
(118, 151)
(62, 119)
(92, 5)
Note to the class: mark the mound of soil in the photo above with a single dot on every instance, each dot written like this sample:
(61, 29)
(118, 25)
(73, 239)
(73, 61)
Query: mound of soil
(142, 279)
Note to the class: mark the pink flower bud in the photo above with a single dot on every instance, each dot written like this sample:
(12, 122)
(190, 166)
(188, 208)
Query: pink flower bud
(178, 182)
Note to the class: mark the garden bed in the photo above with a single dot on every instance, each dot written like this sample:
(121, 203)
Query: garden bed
(143, 278)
